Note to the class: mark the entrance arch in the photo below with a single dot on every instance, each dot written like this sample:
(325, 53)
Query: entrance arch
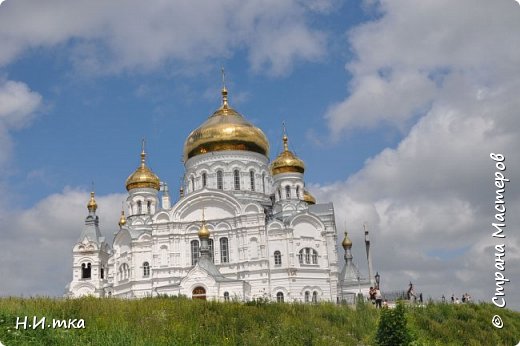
(199, 292)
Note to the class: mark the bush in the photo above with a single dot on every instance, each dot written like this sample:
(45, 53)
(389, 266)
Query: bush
(392, 329)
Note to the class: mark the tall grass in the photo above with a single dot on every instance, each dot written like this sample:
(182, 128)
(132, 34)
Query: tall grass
(169, 321)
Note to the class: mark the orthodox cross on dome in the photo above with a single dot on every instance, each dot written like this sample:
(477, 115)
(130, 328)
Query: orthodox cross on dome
(223, 78)
(143, 153)
(285, 138)
(224, 90)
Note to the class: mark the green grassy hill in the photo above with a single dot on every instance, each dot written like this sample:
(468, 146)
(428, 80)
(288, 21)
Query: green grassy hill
(168, 321)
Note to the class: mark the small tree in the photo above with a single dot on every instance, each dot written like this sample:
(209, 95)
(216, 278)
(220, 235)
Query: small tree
(392, 330)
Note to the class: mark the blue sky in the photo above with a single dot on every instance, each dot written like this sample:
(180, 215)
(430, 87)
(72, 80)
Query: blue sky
(393, 105)
(97, 122)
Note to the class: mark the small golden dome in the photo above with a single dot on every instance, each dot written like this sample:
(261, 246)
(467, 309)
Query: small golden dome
(346, 243)
(307, 197)
(225, 129)
(92, 205)
(203, 231)
(122, 219)
(143, 176)
(287, 162)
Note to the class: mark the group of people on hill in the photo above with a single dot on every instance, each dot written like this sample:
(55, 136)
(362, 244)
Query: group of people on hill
(466, 298)
(376, 297)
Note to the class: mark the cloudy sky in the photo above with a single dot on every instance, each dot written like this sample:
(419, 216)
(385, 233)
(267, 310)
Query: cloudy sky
(394, 106)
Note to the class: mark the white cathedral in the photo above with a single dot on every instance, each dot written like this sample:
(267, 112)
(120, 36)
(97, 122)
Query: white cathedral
(243, 228)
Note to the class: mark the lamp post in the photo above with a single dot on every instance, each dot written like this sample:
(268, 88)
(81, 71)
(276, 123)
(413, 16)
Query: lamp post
(377, 277)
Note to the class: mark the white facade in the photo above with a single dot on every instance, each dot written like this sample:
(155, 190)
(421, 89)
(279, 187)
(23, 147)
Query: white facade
(266, 239)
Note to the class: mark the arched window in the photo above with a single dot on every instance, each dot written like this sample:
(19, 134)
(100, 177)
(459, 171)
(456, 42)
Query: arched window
(220, 184)
(204, 179)
(124, 271)
(192, 184)
(226, 296)
(252, 179)
(146, 269)
(236, 178)
(307, 296)
(279, 193)
(315, 297)
(298, 192)
(102, 272)
(279, 297)
(287, 191)
(199, 293)
(149, 207)
(263, 182)
(86, 270)
(211, 249)
(224, 250)
(308, 256)
(194, 251)
(277, 258)
(139, 207)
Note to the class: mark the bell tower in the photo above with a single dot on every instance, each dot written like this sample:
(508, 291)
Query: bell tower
(90, 258)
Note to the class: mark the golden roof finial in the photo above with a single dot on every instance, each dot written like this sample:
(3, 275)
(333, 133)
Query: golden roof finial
(203, 231)
(92, 205)
(224, 90)
(346, 243)
(285, 139)
(122, 219)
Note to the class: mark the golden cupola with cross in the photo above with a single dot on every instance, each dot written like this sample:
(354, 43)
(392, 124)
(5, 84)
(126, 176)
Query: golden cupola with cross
(225, 129)
(287, 161)
(143, 177)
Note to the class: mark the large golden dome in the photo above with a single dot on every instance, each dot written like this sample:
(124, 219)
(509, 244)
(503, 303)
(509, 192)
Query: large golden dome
(225, 129)
(143, 176)
(287, 161)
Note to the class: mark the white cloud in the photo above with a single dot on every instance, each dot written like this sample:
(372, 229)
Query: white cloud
(434, 67)
(37, 242)
(18, 106)
(108, 37)
(398, 52)
(17, 103)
